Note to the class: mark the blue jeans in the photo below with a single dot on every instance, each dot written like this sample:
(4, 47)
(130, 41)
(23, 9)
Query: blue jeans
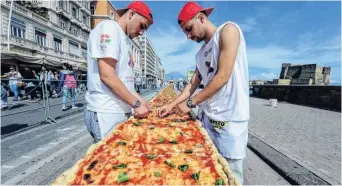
(15, 90)
(65, 94)
(3, 94)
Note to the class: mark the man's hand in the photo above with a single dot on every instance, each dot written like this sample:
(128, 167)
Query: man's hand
(164, 110)
(142, 101)
(141, 111)
(183, 107)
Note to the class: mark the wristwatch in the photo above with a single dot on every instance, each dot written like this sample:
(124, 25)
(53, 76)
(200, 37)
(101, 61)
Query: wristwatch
(189, 104)
(136, 104)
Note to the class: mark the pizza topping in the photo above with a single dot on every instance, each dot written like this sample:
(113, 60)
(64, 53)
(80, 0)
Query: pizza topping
(219, 182)
(122, 143)
(151, 126)
(183, 167)
(151, 156)
(157, 174)
(161, 140)
(188, 151)
(122, 177)
(92, 165)
(138, 123)
(173, 141)
(86, 176)
(195, 176)
(121, 166)
(169, 164)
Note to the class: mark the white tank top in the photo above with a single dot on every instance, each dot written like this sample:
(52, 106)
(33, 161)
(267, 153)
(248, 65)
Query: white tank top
(231, 102)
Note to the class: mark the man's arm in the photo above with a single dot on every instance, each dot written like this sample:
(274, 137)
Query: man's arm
(229, 42)
(108, 77)
(189, 89)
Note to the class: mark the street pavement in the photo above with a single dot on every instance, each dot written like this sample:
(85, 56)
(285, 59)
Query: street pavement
(309, 136)
(15, 120)
(37, 156)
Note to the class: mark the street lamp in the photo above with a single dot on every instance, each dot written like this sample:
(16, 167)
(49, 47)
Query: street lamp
(9, 26)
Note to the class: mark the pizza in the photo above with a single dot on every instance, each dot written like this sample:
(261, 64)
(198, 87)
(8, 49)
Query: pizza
(173, 150)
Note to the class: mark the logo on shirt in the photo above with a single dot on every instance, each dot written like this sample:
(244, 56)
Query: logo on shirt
(210, 69)
(207, 52)
(105, 38)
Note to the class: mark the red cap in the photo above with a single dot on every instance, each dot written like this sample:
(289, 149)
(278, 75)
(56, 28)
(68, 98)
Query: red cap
(190, 9)
(140, 7)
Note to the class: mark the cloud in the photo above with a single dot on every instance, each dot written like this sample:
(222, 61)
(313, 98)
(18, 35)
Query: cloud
(248, 24)
(179, 51)
(272, 56)
(177, 54)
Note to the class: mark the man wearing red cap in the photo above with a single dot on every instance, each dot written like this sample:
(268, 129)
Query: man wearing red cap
(111, 96)
(222, 68)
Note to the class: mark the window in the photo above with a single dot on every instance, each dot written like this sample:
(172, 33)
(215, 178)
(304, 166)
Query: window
(74, 12)
(111, 15)
(73, 47)
(61, 4)
(57, 41)
(84, 51)
(62, 23)
(92, 9)
(75, 31)
(85, 19)
(18, 28)
(40, 37)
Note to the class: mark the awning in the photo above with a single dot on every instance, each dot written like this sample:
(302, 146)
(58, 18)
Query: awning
(39, 59)
(22, 57)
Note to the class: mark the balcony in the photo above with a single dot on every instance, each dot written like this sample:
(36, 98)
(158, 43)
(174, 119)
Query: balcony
(63, 12)
(20, 43)
(77, 3)
(16, 7)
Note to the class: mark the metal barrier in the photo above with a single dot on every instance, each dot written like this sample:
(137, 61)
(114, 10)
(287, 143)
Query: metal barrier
(45, 102)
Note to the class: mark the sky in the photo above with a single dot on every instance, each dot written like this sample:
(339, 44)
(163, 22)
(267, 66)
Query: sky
(275, 32)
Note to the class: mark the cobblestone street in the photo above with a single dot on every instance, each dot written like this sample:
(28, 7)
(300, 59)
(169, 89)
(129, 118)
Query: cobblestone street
(309, 136)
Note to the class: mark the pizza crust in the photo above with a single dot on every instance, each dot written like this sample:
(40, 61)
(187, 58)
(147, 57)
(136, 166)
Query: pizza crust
(219, 158)
(221, 165)
(68, 176)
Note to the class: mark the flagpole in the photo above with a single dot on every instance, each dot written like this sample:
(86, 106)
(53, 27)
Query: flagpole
(9, 26)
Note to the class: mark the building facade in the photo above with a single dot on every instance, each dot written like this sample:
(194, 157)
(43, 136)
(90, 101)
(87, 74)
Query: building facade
(308, 74)
(50, 32)
(150, 60)
(101, 10)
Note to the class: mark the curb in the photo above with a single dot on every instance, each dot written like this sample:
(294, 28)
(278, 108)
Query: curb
(292, 172)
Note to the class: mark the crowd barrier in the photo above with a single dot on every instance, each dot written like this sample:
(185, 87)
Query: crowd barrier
(48, 92)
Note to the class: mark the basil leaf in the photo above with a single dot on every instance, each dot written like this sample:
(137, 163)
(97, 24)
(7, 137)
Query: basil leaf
(219, 181)
(161, 140)
(122, 177)
(169, 164)
(188, 151)
(121, 166)
(122, 143)
(157, 174)
(195, 176)
(137, 123)
(173, 141)
(183, 167)
(151, 156)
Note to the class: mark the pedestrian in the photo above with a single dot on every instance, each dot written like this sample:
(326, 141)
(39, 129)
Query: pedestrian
(110, 77)
(222, 68)
(14, 82)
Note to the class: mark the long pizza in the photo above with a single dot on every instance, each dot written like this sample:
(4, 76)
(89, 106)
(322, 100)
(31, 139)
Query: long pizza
(174, 150)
